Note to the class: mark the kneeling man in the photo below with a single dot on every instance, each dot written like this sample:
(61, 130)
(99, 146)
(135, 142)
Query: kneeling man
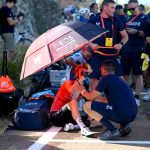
(120, 106)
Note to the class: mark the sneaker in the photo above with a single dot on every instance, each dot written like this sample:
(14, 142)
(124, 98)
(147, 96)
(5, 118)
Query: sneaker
(125, 131)
(147, 97)
(86, 132)
(138, 103)
(110, 135)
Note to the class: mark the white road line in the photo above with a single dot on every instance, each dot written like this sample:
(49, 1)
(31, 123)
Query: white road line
(100, 142)
(43, 140)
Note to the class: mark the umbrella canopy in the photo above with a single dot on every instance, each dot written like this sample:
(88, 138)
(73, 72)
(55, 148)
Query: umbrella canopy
(57, 43)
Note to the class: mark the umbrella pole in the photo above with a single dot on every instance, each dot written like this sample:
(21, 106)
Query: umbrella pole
(71, 68)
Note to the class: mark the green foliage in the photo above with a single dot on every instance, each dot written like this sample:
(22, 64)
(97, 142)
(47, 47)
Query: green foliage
(47, 14)
(147, 9)
(14, 66)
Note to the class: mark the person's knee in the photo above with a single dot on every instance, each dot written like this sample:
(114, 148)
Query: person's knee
(87, 106)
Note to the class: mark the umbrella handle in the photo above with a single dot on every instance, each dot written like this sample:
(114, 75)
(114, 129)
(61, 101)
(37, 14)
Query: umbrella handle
(104, 54)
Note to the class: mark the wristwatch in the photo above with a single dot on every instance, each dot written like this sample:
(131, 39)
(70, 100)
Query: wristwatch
(122, 43)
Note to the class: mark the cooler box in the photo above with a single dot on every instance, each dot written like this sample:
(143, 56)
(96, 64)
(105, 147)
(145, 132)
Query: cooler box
(56, 76)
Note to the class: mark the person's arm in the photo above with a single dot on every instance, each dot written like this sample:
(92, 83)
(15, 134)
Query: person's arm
(148, 39)
(123, 33)
(12, 21)
(140, 33)
(9, 16)
(95, 93)
(90, 95)
(124, 40)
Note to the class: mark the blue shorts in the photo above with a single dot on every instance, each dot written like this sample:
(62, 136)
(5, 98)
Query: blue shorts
(132, 62)
(97, 61)
(108, 112)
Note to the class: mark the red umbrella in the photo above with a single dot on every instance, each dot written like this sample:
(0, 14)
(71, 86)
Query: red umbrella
(58, 43)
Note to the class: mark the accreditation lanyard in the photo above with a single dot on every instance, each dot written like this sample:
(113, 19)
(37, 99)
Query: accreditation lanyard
(132, 20)
(103, 25)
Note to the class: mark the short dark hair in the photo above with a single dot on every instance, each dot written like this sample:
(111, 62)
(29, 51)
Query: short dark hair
(92, 5)
(119, 7)
(15, 1)
(142, 7)
(105, 2)
(133, 1)
(109, 66)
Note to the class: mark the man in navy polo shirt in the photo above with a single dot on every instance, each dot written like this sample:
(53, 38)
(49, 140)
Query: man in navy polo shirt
(119, 106)
(131, 54)
(114, 25)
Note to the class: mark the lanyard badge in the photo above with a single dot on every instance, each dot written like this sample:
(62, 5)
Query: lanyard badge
(108, 41)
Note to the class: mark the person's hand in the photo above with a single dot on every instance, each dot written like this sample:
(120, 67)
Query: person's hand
(94, 46)
(132, 31)
(118, 47)
(89, 71)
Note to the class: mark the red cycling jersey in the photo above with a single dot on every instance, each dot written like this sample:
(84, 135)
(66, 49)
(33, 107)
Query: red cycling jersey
(62, 97)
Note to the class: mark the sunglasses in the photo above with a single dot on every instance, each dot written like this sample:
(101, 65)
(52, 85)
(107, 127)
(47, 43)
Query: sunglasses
(132, 9)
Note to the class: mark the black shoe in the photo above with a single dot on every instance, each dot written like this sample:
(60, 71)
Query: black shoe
(125, 131)
(110, 135)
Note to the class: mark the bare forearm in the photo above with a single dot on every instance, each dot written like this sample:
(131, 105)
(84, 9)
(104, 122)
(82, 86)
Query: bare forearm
(90, 96)
(141, 33)
(124, 40)
(148, 40)
(13, 22)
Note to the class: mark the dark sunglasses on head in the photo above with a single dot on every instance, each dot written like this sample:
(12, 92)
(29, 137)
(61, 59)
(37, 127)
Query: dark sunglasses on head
(132, 9)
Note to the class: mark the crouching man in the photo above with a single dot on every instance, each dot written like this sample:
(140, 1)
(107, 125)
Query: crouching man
(68, 94)
(120, 106)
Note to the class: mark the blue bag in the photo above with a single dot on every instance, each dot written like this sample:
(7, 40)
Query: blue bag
(40, 94)
(32, 115)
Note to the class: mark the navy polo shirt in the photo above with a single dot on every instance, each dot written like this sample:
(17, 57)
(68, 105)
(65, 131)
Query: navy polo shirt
(118, 26)
(136, 43)
(118, 93)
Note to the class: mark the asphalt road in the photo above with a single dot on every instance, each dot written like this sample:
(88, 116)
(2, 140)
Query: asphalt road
(23, 140)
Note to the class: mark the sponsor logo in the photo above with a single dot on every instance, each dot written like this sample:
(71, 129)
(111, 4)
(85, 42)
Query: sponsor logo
(4, 84)
(98, 24)
(66, 43)
(135, 24)
(37, 60)
(109, 107)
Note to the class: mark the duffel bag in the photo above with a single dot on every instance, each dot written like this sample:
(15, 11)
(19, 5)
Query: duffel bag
(32, 115)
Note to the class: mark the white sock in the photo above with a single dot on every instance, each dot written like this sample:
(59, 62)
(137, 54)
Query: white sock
(80, 123)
